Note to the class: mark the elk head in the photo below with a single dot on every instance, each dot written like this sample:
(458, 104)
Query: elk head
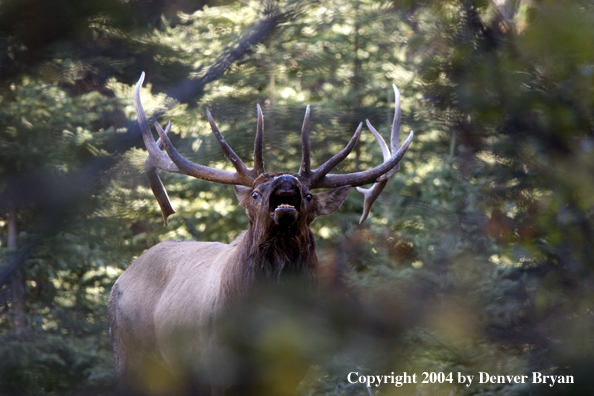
(277, 201)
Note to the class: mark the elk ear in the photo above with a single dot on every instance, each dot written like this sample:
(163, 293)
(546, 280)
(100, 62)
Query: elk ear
(327, 202)
(243, 193)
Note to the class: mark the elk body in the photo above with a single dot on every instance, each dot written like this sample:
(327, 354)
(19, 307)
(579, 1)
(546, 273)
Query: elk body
(162, 308)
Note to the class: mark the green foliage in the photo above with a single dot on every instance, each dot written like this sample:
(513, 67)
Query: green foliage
(53, 364)
(476, 257)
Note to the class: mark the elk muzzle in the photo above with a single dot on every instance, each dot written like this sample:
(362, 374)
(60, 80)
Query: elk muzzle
(285, 200)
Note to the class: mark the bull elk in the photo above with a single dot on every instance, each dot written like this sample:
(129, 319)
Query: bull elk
(172, 293)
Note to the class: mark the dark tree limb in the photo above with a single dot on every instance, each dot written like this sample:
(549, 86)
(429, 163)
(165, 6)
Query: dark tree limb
(262, 29)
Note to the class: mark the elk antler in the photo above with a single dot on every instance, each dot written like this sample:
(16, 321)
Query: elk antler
(372, 193)
(176, 163)
(320, 178)
(172, 161)
(316, 175)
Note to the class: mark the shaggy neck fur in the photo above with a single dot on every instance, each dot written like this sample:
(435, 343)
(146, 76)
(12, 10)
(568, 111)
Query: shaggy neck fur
(268, 256)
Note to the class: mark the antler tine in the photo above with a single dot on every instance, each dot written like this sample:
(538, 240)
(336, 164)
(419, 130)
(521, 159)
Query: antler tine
(157, 157)
(336, 159)
(374, 192)
(258, 156)
(395, 133)
(305, 169)
(240, 167)
(159, 141)
(150, 169)
(380, 140)
(371, 194)
(200, 171)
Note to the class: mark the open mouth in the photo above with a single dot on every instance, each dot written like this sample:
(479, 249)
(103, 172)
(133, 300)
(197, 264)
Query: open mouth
(284, 206)
(285, 200)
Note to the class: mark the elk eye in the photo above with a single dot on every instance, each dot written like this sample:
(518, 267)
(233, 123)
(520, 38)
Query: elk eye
(309, 197)
(255, 195)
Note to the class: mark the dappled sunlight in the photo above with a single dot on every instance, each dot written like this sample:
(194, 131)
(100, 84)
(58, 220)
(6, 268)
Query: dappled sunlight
(475, 261)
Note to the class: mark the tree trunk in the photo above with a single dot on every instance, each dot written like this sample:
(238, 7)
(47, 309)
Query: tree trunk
(17, 282)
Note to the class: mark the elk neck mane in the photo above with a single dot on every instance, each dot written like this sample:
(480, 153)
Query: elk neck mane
(270, 256)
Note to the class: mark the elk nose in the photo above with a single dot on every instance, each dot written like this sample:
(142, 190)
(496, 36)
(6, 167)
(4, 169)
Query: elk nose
(287, 178)
(286, 182)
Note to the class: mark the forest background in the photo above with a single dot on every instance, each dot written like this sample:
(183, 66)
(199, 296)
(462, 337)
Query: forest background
(477, 256)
